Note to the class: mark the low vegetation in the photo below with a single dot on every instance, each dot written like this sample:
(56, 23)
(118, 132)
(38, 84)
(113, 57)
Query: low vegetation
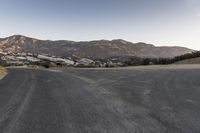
(49, 61)
(163, 61)
(189, 61)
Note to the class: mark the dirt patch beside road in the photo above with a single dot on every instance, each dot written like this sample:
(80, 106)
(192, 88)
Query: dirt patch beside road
(2, 72)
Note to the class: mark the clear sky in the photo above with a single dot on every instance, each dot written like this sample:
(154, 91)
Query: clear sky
(159, 22)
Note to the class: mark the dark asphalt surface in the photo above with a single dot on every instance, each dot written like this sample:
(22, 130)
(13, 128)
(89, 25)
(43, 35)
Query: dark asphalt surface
(100, 101)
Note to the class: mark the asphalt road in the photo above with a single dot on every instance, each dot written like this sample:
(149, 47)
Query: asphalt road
(100, 101)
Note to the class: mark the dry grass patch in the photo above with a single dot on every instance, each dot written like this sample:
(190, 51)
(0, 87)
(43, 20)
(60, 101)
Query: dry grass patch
(2, 71)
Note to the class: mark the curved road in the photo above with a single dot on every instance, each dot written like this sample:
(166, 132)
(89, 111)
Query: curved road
(100, 101)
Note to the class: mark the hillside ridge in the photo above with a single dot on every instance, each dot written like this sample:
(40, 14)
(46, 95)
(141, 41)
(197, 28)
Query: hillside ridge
(88, 49)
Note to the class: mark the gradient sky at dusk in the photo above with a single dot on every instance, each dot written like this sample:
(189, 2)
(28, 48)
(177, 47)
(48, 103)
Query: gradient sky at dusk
(159, 22)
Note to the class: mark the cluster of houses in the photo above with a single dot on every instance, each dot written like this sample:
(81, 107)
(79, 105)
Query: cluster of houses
(21, 59)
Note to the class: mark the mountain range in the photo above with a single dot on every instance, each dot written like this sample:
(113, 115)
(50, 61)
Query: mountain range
(88, 49)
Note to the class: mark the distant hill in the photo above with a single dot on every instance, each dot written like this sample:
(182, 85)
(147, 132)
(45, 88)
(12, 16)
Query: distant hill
(88, 49)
